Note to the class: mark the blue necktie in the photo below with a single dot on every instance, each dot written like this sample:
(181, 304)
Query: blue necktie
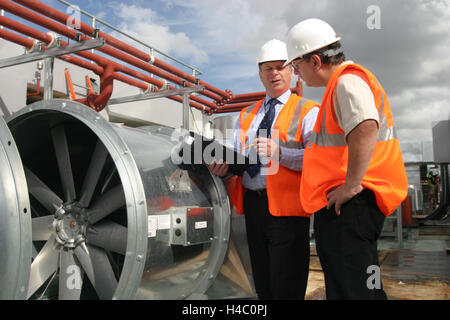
(266, 124)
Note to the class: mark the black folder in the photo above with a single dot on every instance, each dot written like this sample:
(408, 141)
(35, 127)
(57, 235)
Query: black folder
(211, 149)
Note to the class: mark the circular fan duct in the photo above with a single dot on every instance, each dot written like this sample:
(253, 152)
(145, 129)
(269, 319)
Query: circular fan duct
(15, 221)
(112, 216)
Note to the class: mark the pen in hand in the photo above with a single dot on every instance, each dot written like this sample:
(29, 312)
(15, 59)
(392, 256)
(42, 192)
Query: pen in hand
(250, 145)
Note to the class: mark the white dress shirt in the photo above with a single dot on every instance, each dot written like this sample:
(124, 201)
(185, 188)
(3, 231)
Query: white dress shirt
(290, 158)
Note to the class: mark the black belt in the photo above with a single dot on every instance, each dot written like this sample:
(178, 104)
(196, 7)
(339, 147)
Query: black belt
(260, 192)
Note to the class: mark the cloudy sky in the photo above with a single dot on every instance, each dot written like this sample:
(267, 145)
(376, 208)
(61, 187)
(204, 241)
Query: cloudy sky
(405, 43)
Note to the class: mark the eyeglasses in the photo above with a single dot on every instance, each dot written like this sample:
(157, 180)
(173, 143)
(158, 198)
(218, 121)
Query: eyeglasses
(296, 62)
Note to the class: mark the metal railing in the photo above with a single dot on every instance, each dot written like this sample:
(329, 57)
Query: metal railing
(54, 20)
(194, 71)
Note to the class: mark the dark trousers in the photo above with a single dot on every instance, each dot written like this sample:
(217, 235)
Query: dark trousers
(347, 247)
(279, 250)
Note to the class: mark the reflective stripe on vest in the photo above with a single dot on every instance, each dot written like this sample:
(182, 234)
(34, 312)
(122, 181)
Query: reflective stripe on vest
(249, 109)
(325, 159)
(291, 132)
(324, 139)
(294, 126)
(283, 187)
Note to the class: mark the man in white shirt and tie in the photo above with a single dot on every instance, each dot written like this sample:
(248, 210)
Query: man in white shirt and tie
(277, 227)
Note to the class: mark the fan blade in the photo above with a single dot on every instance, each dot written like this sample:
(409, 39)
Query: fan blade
(45, 264)
(93, 174)
(70, 276)
(108, 235)
(63, 160)
(41, 192)
(42, 228)
(84, 257)
(107, 204)
(109, 176)
(105, 281)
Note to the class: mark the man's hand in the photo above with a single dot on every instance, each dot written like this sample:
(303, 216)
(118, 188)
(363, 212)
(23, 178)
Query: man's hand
(218, 168)
(298, 89)
(340, 195)
(361, 142)
(268, 148)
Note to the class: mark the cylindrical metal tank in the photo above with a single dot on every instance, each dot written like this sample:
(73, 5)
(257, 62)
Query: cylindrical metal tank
(112, 216)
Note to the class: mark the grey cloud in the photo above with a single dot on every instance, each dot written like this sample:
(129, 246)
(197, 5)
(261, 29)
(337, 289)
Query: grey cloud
(409, 54)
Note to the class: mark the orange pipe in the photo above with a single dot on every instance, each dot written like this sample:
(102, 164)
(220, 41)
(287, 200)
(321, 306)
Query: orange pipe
(249, 96)
(82, 63)
(142, 56)
(13, 37)
(142, 85)
(106, 87)
(89, 84)
(70, 84)
(31, 16)
(28, 43)
(209, 106)
(99, 101)
(35, 34)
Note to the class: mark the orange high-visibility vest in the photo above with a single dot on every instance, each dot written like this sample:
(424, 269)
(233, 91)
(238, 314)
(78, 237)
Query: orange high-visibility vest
(283, 187)
(325, 160)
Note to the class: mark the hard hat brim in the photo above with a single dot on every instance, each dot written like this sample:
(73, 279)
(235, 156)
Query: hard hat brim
(260, 63)
(288, 61)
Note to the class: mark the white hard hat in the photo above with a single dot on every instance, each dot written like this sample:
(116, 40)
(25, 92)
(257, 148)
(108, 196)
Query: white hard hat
(308, 36)
(273, 50)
